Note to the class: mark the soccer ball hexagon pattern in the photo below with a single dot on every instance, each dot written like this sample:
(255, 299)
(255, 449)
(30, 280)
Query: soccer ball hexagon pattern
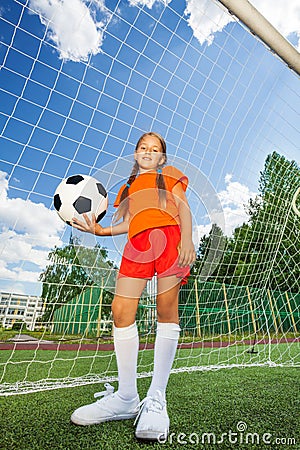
(80, 194)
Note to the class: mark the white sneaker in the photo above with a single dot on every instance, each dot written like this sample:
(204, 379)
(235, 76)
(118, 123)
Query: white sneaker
(110, 407)
(153, 419)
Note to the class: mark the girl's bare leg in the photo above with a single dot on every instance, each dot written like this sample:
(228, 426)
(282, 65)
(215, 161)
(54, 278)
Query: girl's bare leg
(126, 299)
(167, 299)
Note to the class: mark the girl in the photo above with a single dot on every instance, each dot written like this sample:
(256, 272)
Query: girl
(156, 215)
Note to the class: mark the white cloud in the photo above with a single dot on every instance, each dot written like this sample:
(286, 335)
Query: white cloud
(74, 25)
(199, 231)
(233, 199)
(148, 3)
(284, 16)
(28, 232)
(206, 17)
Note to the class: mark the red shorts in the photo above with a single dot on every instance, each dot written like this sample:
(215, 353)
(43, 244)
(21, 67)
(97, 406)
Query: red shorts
(153, 251)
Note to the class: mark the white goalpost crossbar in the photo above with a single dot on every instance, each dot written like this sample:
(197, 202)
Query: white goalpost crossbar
(261, 27)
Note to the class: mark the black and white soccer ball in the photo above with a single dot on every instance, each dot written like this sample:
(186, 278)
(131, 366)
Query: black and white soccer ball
(80, 194)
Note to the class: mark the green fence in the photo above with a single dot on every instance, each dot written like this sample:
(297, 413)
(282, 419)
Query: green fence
(89, 315)
(216, 309)
(206, 309)
(84, 315)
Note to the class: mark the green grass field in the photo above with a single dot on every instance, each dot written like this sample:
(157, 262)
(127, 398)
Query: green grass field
(264, 400)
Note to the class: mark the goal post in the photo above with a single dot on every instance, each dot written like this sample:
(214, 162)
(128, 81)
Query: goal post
(261, 27)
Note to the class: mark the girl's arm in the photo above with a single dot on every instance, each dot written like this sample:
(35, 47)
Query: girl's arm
(91, 226)
(187, 254)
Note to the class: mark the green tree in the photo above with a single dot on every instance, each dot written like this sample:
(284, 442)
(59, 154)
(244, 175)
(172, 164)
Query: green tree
(267, 248)
(263, 251)
(73, 268)
(209, 254)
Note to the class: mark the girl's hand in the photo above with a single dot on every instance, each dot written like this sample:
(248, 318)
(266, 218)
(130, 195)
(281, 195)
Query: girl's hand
(89, 226)
(187, 254)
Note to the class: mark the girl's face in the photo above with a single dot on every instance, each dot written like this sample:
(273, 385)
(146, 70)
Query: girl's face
(149, 154)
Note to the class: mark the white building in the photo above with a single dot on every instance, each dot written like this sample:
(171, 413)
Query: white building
(18, 307)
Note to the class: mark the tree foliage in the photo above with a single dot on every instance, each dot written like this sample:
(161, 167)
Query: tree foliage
(209, 254)
(264, 251)
(71, 269)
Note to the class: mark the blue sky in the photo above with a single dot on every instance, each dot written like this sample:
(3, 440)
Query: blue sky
(78, 87)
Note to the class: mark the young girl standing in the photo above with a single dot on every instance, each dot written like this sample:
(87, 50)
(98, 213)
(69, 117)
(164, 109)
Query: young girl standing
(156, 215)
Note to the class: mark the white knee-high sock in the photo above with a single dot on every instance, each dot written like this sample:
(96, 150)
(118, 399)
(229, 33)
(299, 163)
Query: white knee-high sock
(166, 341)
(126, 342)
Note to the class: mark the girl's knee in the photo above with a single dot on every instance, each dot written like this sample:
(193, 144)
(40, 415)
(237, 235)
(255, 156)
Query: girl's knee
(123, 311)
(117, 309)
(168, 316)
(167, 309)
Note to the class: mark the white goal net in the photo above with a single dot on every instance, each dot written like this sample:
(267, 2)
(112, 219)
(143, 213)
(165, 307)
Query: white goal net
(80, 82)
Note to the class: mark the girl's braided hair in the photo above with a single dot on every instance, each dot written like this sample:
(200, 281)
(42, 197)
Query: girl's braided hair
(160, 182)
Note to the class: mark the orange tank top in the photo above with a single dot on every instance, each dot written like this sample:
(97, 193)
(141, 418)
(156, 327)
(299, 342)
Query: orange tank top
(144, 206)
